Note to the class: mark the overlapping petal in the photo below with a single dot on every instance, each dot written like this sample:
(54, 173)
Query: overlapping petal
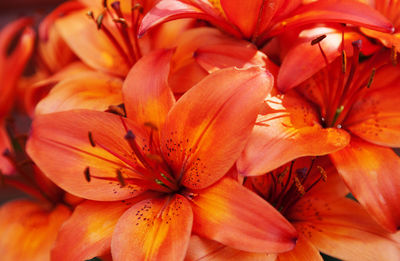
(29, 230)
(227, 211)
(61, 146)
(204, 120)
(147, 96)
(154, 229)
(371, 173)
(89, 90)
(287, 119)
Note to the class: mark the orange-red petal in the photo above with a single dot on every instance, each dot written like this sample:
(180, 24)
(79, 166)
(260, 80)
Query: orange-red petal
(372, 174)
(344, 230)
(207, 250)
(147, 95)
(287, 128)
(88, 232)
(210, 117)
(92, 45)
(89, 90)
(304, 250)
(234, 216)
(337, 11)
(60, 146)
(28, 230)
(154, 229)
(376, 116)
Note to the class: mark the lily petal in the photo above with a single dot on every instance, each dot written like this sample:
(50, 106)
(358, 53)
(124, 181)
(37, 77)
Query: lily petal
(29, 230)
(344, 230)
(201, 249)
(91, 44)
(5, 165)
(155, 229)
(234, 216)
(63, 137)
(372, 174)
(147, 95)
(90, 90)
(288, 128)
(88, 232)
(376, 117)
(337, 11)
(167, 10)
(200, 120)
(304, 250)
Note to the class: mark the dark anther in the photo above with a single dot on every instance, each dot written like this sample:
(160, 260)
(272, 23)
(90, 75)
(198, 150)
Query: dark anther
(90, 14)
(371, 77)
(318, 39)
(6, 153)
(99, 20)
(87, 174)
(357, 44)
(129, 135)
(116, 5)
(90, 136)
(120, 178)
(138, 7)
(151, 125)
(117, 109)
(105, 3)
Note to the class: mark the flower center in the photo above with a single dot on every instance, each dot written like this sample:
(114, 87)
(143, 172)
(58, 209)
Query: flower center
(339, 85)
(125, 40)
(284, 186)
(145, 166)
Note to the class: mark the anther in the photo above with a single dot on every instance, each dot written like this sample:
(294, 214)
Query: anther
(318, 39)
(299, 186)
(151, 125)
(337, 113)
(371, 77)
(99, 21)
(121, 21)
(117, 109)
(357, 44)
(138, 7)
(87, 174)
(90, 136)
(324, 176)
(129, 135)
(120, 178)
(90, 14)
(105, 3)
(344, 61)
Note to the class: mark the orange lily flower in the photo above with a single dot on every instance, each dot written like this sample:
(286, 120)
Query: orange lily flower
(12, 63)
(260, 20)
(161, 152)
(348, 113)
(317, 208)
(29, 227)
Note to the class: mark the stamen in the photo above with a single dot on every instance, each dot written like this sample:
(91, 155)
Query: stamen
(105, 3)
(130, 137)
(99, 21)
(323, 173)
(344, 61)
(87, 174)
(299, 186)
(138, 7)
(371, 77)
(90, 136)
(318, 39)
(120, 178)
(337, 114)
(117, 109)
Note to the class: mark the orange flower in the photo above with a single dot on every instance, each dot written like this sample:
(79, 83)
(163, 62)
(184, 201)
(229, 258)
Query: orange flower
(166, 161)
(13, 58)
(350, 111)
(317, 207)
(259, 20)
